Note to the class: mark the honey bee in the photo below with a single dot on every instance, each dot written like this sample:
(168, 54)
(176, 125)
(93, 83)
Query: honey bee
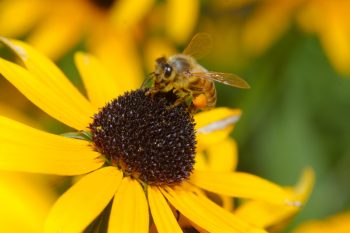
(188, 80)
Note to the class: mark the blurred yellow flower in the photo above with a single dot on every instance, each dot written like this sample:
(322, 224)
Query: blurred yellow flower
(329, 20)
(266, 23)
(181, 18)
(111, 29)
(339, 223)
(25, 202)
(56, 26)
(27, 149)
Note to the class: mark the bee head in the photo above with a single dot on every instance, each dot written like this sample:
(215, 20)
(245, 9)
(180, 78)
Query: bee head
(163, 69)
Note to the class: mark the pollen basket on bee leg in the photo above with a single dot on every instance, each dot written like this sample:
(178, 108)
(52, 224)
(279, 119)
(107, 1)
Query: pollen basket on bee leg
(200, 101)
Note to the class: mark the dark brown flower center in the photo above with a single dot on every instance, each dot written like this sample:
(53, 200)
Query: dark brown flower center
(147, 137)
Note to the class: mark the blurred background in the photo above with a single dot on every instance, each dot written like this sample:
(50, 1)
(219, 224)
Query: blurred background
(295, 54)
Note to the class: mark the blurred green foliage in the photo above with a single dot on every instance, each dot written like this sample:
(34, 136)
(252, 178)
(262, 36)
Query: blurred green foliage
(296, 115)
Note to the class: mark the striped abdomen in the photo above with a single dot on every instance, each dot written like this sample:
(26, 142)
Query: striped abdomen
(204, 86)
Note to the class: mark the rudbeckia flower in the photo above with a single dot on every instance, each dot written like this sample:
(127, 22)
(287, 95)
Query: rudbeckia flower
(329, 20)
(133, 150)
(339, 223)
(25, 202)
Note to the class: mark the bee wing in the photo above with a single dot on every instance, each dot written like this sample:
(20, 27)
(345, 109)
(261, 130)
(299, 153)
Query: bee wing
(200, 45)
(225, 78)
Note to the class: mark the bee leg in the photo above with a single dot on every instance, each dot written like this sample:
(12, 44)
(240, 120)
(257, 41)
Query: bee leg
(184, 99)
(154, 90)
(200, 101)
(179, 101)
(151, 92)
(159, 88)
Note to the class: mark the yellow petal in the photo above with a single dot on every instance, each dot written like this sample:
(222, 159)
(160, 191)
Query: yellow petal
(15, 112)
(25, 202)
(13, 26)
(263, 214)
(180, 20)
(203, 119)
(130, 210)
(61, 30)
(223, 157)
(100, 85)
(237, 184)
(205, 213)
(339, 223)
(23, 148)
(303, 189)
(215, 125)
(155, 48)
(84, 201)
(335, 35)
(119, 54)
(46, 86)
(227, 202)
(162, 215)
(126, 13)
(201, 162)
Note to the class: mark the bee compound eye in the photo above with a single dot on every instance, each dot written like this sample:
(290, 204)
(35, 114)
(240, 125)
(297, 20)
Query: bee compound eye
(167, 70)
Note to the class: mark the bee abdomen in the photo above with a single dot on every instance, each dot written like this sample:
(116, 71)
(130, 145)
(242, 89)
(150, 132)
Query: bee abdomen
(210, 93)
(197, 84)
(206, 87)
